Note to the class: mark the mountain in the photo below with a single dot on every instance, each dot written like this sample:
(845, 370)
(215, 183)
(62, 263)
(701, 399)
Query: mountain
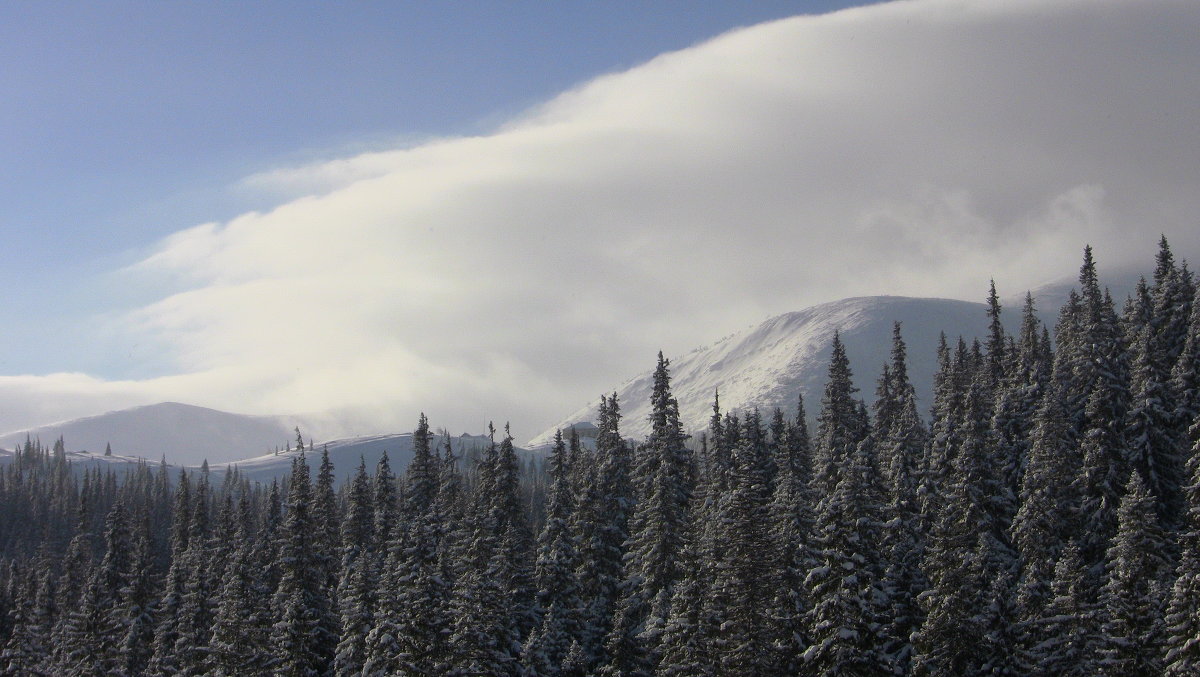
(345, 455)
(184, 433)
(769, 365)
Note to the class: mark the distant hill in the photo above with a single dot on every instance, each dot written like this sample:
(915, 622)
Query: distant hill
(184, 433)
(344, 454)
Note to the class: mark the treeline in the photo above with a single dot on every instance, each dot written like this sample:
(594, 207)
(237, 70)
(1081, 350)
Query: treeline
(1044, 520)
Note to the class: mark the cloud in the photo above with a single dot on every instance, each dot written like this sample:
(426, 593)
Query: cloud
(906, 148)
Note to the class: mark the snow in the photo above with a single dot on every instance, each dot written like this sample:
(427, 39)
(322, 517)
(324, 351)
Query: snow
(343, 453)
(769, 365)
(183, 433)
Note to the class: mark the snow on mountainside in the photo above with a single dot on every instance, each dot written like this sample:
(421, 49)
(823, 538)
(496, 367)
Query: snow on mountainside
(185, 434)
(769, 365)
(346, 454)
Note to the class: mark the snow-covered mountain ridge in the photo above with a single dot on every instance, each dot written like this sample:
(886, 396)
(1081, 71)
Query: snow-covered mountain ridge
(769, 365)
(184, 433)
(344, 454)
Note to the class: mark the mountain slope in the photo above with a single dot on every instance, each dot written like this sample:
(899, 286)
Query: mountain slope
(769, 365)
(186, 434)
(345, 455)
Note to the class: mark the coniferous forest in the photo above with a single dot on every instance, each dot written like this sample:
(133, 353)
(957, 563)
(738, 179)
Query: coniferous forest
(1040, 516)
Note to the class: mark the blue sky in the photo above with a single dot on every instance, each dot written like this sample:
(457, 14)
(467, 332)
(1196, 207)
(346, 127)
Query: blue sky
(499, 210)
(126, 121)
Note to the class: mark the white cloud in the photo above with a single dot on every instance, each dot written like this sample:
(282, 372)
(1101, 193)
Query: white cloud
(908, 148)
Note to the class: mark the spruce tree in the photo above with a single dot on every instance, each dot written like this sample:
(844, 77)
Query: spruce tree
(666, 482)
(1065, 632)
(555, 570)
(791, 519)
(1182, 645)
(1133, 593)
(901, 444)
(243, 619)
(356, 587)
(1049, 512)
(164, 660)
(1152, 445)
(301, 641)
(848, 600)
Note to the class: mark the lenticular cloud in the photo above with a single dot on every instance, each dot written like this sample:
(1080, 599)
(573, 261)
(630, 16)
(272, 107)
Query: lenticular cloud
(908, 148)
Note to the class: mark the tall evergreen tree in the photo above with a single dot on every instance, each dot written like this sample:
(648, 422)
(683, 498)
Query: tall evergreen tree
(791, 520)
(601, 526)
(1152, 445)
(1133, 593)
(356, 587)
(901, 444)
(848, 600)
(555, 571)
(666, 471)
(301, 640)
(243, 619)
(1182, 643)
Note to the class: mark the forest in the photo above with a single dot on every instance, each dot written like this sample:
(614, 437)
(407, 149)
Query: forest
(1040, 516)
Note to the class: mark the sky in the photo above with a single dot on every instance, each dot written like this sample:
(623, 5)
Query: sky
(500, 210)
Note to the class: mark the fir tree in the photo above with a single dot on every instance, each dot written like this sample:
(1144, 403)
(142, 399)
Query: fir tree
(1048, 512)
(838, 425)
(1152, 446)
(1182, 631)
(1132, 596)
(667, 480)
(791, 533)
(301, 642)
(555, 571)
(601, 528)
(848, 601)
(1065, 628)
(356, 587)
(240, 634)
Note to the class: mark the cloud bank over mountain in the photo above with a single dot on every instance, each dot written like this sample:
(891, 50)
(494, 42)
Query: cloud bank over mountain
(912, 148)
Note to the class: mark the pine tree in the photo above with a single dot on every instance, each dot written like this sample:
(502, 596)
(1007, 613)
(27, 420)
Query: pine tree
(1152, 446)
(838, 428)
(1049, 511)
(791, 519)
(666, 474)
(356, 588)
(1185, 376)
(1132, 596)
(301, 643)
(558, 559)
(27, 650)
(740, 574)
(901, 444)
(194, 618)
(997, 358)
(685, 641)
(848, 601)
(327, 538)
(1065, 629)
(138, 602)
(241, 629)
(1182, 632)
(420, 613)
(485, 638)
(601, 527)
(164, 660)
